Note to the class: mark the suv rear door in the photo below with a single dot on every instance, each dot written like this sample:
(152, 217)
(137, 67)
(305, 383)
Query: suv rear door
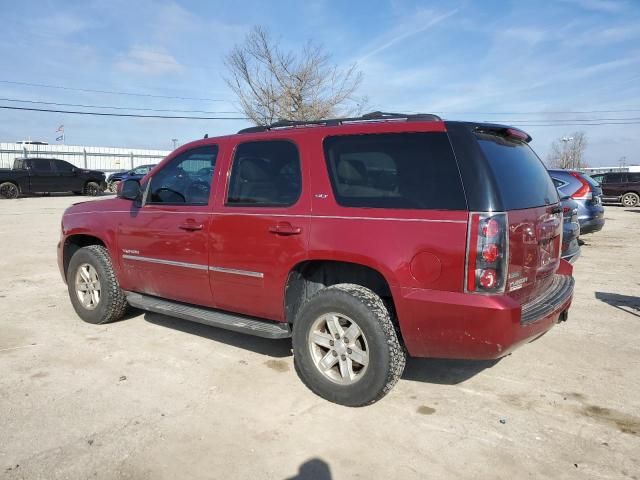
(260, 228)
(67, 177)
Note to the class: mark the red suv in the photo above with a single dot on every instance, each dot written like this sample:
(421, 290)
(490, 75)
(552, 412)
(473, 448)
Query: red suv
(364, 239)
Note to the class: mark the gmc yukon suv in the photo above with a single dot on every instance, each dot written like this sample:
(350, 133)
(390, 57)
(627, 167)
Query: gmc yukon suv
(48, 175)
(363, 239)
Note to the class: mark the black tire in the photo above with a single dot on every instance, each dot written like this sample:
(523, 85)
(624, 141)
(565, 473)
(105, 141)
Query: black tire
(9, 190)
(112, 304)
(113, 186)
(77, 193)
(386, 354)
(92, 189)
(630, 199)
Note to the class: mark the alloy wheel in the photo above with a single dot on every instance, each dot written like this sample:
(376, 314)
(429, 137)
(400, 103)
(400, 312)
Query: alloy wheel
(88, 286)
(338, 348)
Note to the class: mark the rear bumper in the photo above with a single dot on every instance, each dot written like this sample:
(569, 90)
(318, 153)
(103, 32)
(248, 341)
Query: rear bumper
(591, 225)
(468, 326)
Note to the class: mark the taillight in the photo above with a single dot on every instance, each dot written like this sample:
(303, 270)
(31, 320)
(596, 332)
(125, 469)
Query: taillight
(584, 192)
(487, 253)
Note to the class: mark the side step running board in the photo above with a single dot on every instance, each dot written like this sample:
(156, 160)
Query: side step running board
(207, 316)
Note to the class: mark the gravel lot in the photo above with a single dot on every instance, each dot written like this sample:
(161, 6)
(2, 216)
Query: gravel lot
(154, 397)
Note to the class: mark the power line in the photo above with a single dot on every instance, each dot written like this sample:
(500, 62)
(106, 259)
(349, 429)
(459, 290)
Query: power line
(131, 115)
(593, 122)
(110, 92)
(111, 107)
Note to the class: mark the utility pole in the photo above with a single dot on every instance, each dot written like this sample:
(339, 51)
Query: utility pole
(175, 142)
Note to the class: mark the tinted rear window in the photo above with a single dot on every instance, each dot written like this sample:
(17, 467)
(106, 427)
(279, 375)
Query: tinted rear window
(394, 170)
(522, 179)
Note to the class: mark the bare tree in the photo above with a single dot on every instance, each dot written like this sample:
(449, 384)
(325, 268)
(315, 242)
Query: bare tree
(272, 84)
(568, 152)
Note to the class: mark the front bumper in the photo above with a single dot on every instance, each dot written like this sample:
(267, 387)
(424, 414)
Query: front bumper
(482, 327)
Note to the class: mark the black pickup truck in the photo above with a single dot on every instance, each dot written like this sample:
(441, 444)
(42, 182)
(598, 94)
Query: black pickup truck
(47, 175)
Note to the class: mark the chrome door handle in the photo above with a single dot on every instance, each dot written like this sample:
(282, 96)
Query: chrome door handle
(285, 228)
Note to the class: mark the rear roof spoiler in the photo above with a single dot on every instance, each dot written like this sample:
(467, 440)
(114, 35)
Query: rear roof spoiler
(502, 130)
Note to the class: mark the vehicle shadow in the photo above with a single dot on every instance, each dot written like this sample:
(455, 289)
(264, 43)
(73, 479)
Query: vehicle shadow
(314, 469)
(426, 370)
(263, 346)
(444, 371)
(626, 303)
(636, 210)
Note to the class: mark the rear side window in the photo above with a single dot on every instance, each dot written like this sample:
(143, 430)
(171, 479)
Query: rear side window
(521, 177)
(265, 174)
(41, 165)
(394, 170)
(614, 178)
(633, 177)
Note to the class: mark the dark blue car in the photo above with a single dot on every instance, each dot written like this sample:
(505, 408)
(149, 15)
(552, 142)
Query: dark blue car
(137, 173)
(586, 192)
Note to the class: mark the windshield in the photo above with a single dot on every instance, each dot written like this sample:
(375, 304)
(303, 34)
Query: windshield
(522, 178)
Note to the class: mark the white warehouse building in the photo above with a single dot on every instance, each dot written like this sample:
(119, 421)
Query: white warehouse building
(97, 158)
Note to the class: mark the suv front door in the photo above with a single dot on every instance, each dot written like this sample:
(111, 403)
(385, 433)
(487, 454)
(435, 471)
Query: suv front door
(164, 243)
(261, 228)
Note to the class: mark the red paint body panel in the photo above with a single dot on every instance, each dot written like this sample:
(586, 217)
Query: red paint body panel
(420, 253)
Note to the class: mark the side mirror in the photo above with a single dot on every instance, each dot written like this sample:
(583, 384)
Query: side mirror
(129, 190)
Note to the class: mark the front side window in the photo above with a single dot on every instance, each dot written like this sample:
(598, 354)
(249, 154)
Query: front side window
(186, 179)
(265, 174)
(394, 170)
(64, 167)
(614, 178)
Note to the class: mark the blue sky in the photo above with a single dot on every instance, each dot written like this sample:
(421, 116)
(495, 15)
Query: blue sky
(509, 61)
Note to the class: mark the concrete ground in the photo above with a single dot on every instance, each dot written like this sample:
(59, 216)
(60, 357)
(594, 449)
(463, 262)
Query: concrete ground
(152, 397)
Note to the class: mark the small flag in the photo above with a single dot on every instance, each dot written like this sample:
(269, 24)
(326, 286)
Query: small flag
(60, 138)
(60, 128)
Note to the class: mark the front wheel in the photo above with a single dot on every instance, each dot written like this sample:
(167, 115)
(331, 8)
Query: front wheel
(92, 189)
(113, 186)
(346, 348)
(93, 287)
(630, 199)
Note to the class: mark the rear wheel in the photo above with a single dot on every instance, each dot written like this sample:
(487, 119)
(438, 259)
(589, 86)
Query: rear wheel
(92, 189)
(630, 199)
(93, 287)
(9, 190)
(346, 348)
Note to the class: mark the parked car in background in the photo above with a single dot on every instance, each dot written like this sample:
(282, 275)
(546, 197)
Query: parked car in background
(49, 175)
(137, 173)
(364, 239)
(586, 192)
(623, 187)
(570, 229)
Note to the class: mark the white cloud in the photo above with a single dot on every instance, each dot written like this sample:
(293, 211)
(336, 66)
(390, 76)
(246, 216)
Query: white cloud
(146, 61)
(420, 22)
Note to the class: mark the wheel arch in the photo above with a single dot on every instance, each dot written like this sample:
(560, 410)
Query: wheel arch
(310, 276)
(75, 242)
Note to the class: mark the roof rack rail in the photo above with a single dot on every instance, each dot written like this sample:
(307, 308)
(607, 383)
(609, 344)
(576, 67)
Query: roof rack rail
(329, 122)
